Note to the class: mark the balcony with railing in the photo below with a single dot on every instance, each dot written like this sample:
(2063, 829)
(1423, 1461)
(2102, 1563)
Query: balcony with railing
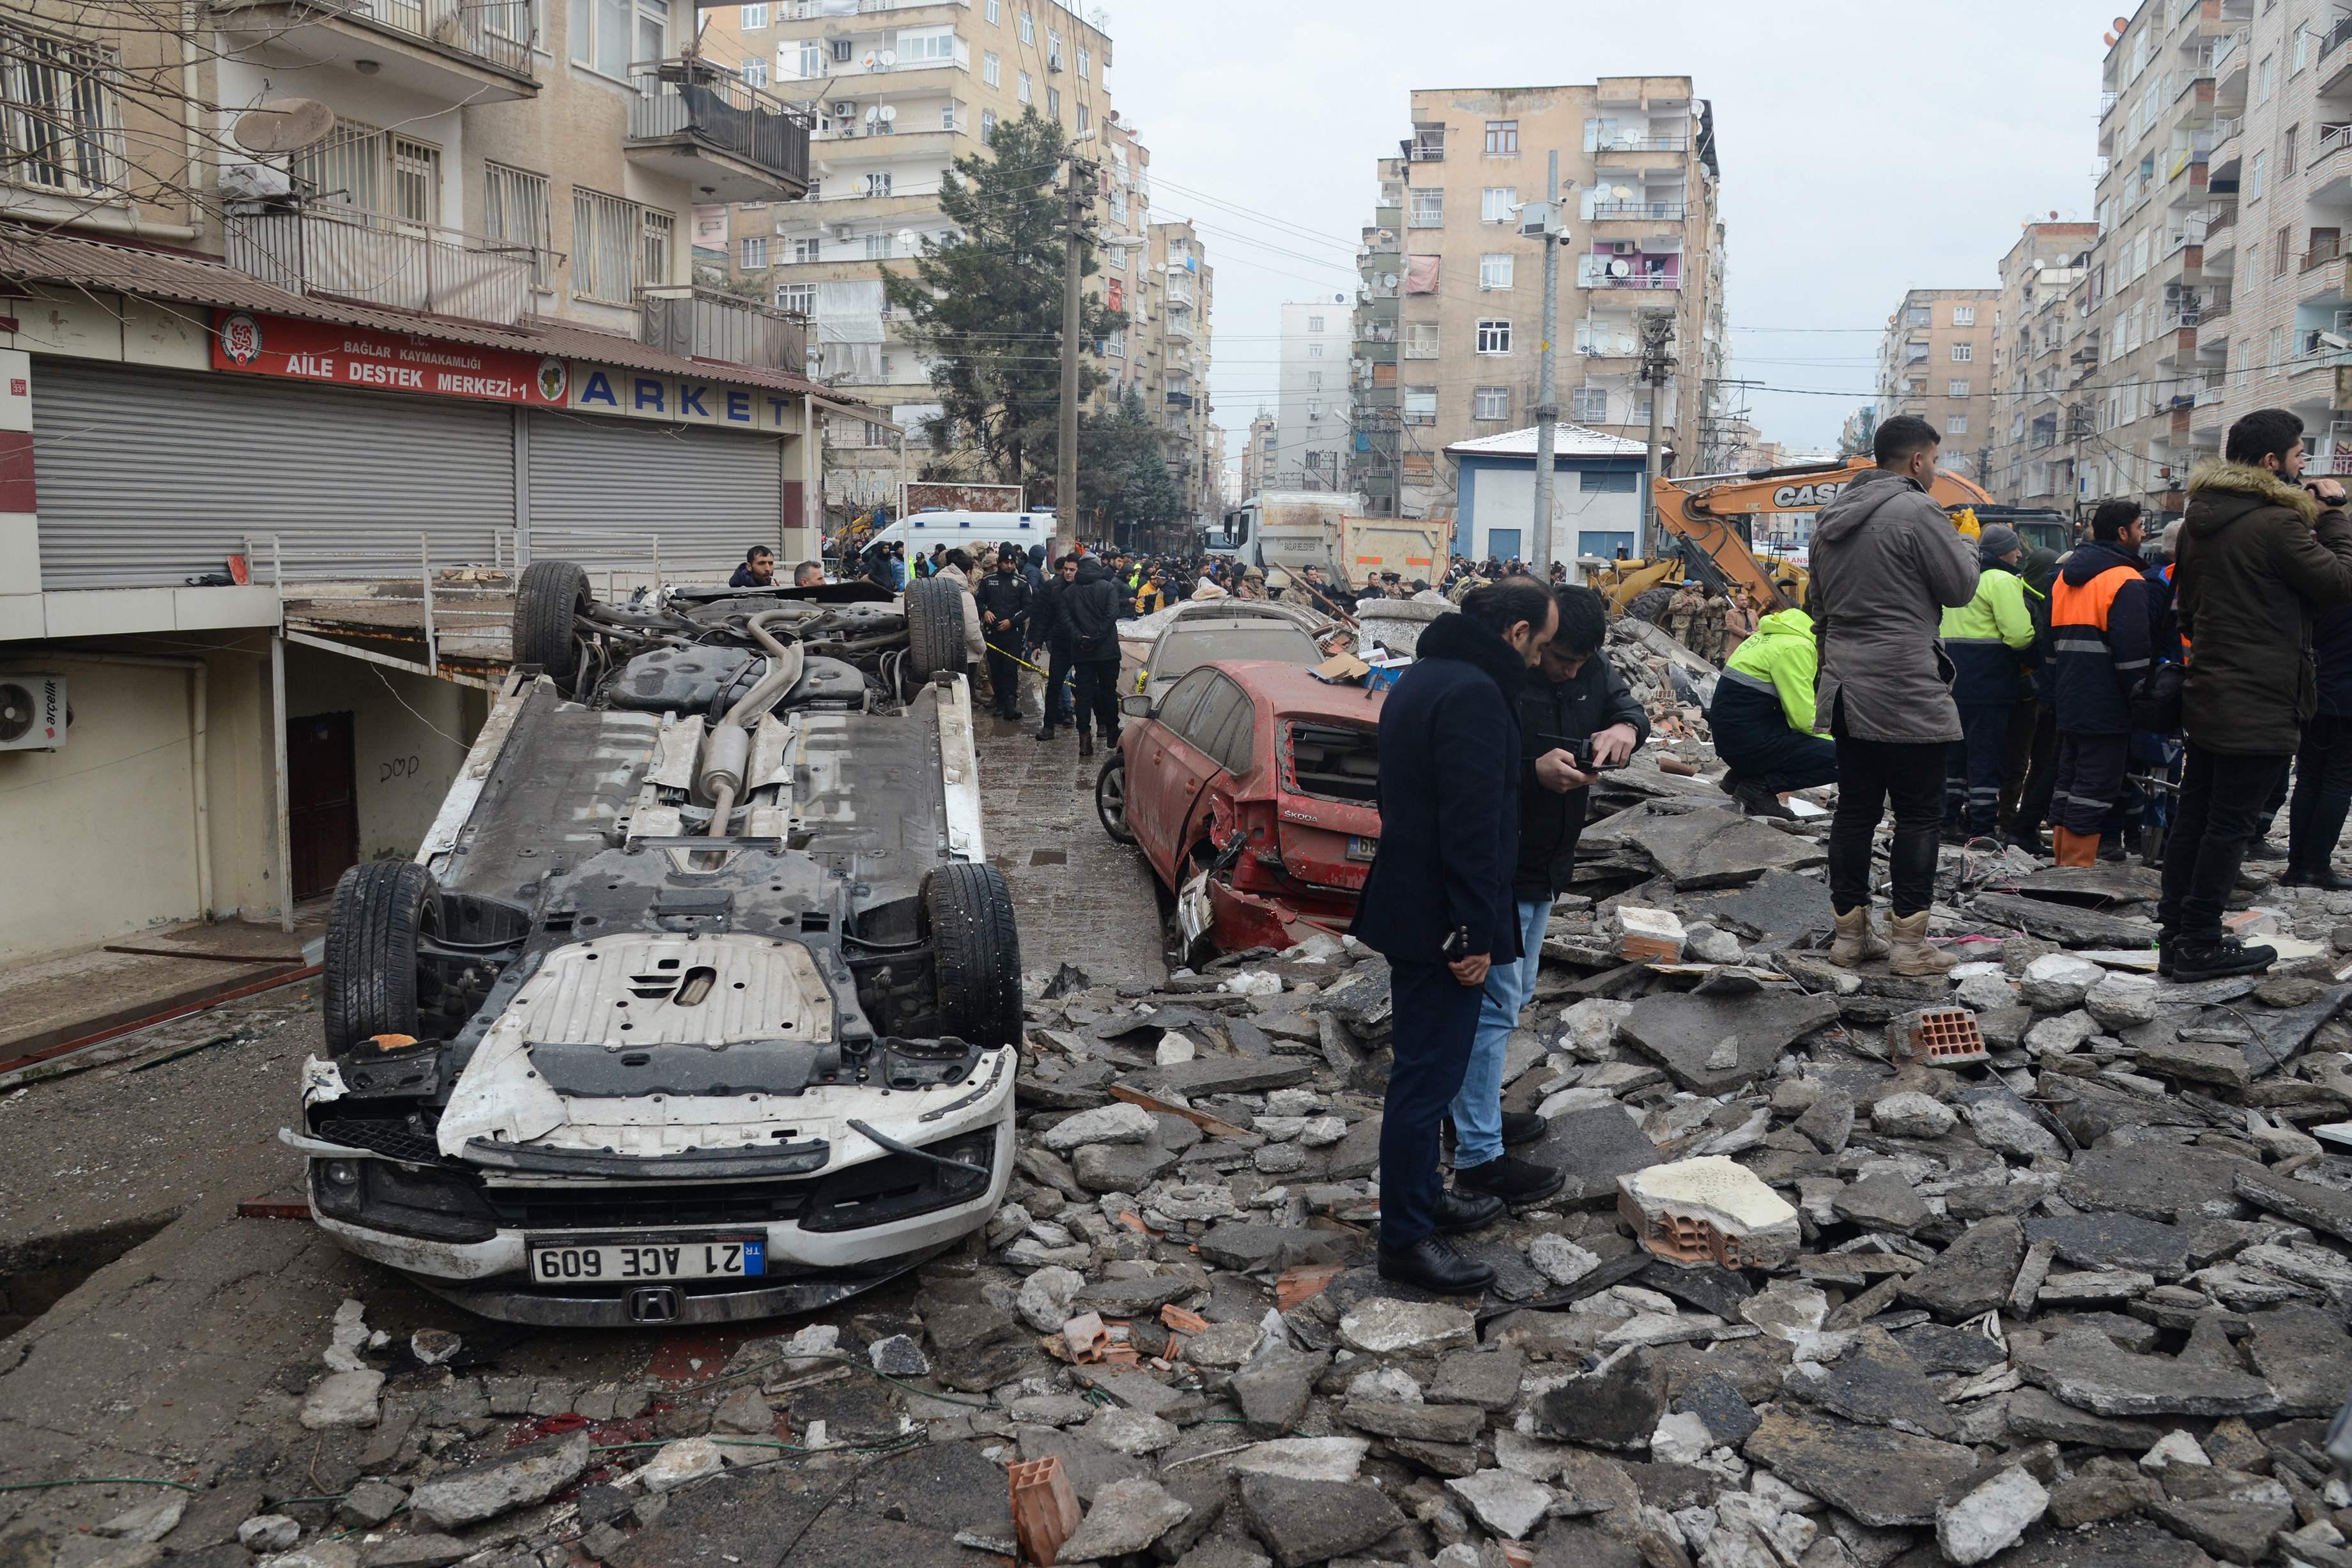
(1638, 271)
(701, 123)
(2334, 60)
(1650, 212)
(457, 51)
(727, 329)
(333, 251)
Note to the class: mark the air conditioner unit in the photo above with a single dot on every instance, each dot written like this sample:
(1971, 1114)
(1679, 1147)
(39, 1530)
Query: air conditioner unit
(33, 713)
(845, 109)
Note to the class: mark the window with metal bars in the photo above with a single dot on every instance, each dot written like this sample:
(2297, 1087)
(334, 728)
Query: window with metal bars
(60, 118)
(609, 248)
(518, 214)
(374, 171)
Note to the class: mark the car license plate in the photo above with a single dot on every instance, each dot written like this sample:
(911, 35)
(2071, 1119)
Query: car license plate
(1359, 849)
(630, 1260)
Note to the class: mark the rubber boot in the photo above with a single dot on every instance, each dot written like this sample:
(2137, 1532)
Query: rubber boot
(1855, 940)
(1912, 954)
(2076, 849)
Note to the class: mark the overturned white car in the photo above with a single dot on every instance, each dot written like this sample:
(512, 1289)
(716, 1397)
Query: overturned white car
(700, 1002)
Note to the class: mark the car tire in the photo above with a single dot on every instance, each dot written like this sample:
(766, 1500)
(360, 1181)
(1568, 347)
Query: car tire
(369, 981)
(934, 629)
(550, 596)
(975, 954)
(1650, 603)
(1110, 796)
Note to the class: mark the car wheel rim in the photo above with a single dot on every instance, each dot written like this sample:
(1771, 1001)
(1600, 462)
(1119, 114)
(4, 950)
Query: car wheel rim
(1113, 796)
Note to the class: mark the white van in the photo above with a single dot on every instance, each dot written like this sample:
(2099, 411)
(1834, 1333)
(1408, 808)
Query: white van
(971, 532)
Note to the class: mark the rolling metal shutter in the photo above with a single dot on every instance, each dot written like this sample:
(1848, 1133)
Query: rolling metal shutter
(146, 477)
(608, 492)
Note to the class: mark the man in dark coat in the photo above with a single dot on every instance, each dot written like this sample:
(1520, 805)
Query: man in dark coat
(1090, 608)
(2322, 768)
(1049, 638)
(2259, 552)
(1575, 698)
(1438, 902)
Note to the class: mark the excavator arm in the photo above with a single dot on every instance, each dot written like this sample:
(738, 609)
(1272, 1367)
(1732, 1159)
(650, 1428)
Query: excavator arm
(1704, 513)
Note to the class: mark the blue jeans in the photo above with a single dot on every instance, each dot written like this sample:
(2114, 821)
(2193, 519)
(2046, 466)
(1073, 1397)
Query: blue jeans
(1478, 1109)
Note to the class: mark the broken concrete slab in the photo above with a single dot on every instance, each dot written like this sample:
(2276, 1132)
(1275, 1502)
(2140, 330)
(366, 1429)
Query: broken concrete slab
(1777, 906)
(1303, 1522)
(2155, 1181)
(2059, 922)
(2108, 1240)
(1617, 1407)
(516, 1479)
(1383, 1325)
(1226, 1075)
(1883, 1477)
(1876, 1385)
(1687, 1033)
(1125, 1516)
(1715, 847)
(2305, 1202)
(1990, 1518)
(2088, 1371)
(1972, 1275)
(1591, 1149)
(2305, 1356)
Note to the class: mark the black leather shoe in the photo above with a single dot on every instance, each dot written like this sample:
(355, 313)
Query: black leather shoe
(1459, 1211)
(1758, 801)
(2222, 959)
(1433, 1266)
(1521, 1128)
(1514, 1181)
(2321, 877)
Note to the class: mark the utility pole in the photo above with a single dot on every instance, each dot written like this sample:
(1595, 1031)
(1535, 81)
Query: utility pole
(1656, 330)
(1078, 197)
(1548, 395)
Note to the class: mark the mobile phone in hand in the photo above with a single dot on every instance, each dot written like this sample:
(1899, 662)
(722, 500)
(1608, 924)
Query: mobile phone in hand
(1457, 946)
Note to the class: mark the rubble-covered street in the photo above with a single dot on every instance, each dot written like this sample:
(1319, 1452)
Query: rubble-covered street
(2046, 1265)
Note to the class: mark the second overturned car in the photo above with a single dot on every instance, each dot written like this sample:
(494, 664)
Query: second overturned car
(700, 1002)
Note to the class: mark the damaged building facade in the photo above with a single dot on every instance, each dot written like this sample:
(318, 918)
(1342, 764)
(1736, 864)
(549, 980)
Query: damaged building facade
(268, 367)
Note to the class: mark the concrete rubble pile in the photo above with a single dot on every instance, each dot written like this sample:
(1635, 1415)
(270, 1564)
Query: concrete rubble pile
(2048, 1264)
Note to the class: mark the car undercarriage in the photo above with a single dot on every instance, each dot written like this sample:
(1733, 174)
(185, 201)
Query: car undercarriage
(699, 1001)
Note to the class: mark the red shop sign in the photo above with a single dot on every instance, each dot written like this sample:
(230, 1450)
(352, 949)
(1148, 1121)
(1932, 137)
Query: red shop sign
(383, 362)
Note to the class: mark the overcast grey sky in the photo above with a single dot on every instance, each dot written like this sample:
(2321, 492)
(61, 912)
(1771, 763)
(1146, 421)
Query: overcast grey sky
(1866, 148)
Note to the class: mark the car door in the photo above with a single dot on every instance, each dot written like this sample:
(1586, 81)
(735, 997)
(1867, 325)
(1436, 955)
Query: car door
(1195, 767)
(1148, 791)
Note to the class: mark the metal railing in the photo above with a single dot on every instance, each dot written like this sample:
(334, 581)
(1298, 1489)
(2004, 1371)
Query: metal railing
(2321, 252)
(1601, 278)
(1664, 212)
(324, 249)
(706, 324)
(692, 98)
(1632, 142)
(497, 32)
(459, 607)
(2227, 127)
(2335, 35)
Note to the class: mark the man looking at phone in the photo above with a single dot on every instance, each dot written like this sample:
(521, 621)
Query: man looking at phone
(1576, 719)
(2261, 549)
(1438, 902)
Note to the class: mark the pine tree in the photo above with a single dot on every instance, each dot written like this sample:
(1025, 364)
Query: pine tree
(1123, 474)
(984, 308)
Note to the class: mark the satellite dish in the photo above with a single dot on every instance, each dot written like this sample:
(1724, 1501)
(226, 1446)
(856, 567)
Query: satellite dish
(889, 114)
(1389, 281)
(1620, 267)
(873, 117)
(870, 59)
(1622, 192)
(889, 58)
(907, 238)
(1339, 299)
(284, 125)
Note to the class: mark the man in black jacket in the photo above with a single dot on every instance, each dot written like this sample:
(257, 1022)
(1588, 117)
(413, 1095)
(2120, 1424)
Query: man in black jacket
(1003, 600)
(1438, 902)
(1090, 607)
(1574, 696)
(1049, 638)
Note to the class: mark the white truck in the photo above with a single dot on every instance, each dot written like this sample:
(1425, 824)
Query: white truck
(971, 532)
(1294, 529)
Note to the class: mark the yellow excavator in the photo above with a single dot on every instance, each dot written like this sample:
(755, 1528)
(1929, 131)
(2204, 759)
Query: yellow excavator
(1706, 521)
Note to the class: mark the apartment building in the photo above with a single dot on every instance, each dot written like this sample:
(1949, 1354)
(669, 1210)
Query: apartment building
(1312, 410)
(2264, 296)
(2176, 84)
(316, 304)
(1176, 293)
(1935, 359)
(2036, 331)
(897, 91)
(1257, 455)
(1447, 267)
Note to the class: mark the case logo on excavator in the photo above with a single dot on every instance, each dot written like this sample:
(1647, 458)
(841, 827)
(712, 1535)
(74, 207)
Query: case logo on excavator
(1790, 498)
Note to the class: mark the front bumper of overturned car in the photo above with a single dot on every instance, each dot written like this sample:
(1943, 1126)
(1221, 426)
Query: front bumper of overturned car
(807, 1266)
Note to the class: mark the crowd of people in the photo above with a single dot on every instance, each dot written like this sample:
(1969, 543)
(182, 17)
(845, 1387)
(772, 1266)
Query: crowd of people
(1962, 685)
